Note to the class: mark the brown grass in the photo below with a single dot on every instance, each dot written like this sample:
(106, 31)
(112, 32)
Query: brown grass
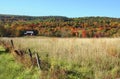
(101, 55)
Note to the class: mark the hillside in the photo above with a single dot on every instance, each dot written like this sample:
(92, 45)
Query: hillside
(59, 26)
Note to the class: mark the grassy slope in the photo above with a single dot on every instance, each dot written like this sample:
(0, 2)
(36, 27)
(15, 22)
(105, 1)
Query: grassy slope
(82, 58)
(10, 69)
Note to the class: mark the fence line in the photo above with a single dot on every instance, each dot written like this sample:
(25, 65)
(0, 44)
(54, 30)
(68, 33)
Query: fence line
(22, 55)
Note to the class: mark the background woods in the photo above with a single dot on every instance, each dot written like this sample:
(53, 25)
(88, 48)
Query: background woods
(59, 26)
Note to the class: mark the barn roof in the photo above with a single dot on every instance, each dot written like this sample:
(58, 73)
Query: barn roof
(29, 31)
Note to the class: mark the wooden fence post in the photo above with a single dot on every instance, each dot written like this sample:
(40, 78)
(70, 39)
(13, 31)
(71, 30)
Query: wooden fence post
(30, 54)
(38, 60)
(12, 44)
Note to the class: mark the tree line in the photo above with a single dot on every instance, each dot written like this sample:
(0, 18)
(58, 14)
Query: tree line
(60, 26)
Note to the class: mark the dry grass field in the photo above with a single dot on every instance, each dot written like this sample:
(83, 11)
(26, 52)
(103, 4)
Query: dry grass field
(95, 58)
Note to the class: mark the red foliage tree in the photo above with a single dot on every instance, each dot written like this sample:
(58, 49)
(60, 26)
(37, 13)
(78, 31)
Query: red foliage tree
(84, 34)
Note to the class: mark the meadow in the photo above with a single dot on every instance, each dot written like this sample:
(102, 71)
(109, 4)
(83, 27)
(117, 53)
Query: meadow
(10, 69)
(75, 58)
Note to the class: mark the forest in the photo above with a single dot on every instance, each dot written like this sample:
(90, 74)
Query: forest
(59, 26)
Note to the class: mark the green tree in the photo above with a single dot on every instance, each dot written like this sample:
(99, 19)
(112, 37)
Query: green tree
(2, 31)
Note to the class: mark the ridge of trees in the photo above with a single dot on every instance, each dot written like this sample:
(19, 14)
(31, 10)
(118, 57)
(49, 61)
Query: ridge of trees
(60, 26)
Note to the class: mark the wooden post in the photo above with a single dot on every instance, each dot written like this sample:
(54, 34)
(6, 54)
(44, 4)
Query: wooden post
(38, 60)
(12, 44)
(30, 54)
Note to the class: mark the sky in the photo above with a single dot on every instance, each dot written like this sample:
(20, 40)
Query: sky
(68, 8)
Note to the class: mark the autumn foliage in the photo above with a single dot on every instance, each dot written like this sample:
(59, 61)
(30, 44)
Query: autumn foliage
(58, 26)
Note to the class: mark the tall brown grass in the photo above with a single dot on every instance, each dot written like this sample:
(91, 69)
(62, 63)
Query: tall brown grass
(100, 55)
